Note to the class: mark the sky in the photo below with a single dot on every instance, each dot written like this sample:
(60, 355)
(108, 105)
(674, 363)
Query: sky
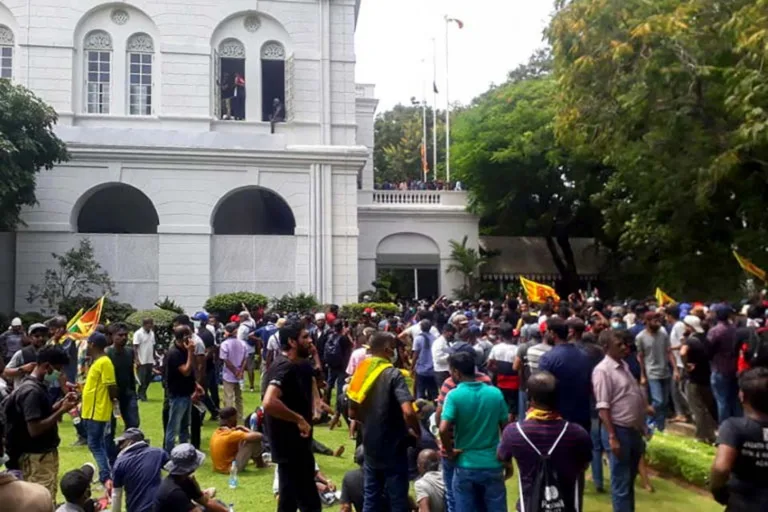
(394, 45)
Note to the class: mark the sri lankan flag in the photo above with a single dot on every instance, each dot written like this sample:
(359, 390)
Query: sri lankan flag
(538, 292)
(365, 376)
(662, 299)
(84, 324)
(750, 267)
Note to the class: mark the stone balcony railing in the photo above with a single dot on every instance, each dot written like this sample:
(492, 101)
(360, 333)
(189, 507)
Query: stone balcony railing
(412, 198)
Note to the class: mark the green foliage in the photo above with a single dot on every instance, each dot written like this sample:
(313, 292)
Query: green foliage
(78, 274)
(355, 311)
(398, 135)
(227, 304)
(466, 261)
(673, 96)
(163, 319)
(681, 457)
(112, 311)
(32, 317)
(300, 303)
(170, 305)
(521, 181)
(27, 144)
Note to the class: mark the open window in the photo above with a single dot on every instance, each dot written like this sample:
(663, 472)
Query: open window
(273, 82)
(231, 80)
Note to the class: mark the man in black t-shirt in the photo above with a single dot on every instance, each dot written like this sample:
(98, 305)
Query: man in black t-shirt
(180, 386)
(694, 353)
(288, 404)
(386, 414)
(179, 491)
(739, 472)
(32, 438)
(210, 379)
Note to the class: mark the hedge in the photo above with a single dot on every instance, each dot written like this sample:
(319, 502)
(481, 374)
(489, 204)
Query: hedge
(355, 311)
(227, 304)
(299, 303)
(681, 457)
(163, 323)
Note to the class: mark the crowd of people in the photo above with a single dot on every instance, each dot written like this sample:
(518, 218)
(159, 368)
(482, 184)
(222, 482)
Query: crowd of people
(445, 395)
(420, 185)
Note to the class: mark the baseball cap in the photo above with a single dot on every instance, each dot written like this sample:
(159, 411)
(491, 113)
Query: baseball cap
(185, 459)
(461, 319)
(37, 327)
(319, 316)
(200, 316)
(16, 322)
(98, 339)
(131, 434)
(694, 323)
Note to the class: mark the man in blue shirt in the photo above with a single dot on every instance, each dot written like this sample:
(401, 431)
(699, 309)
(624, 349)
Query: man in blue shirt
(472, 417)
(423, 368)
(264, 333)
(137, 470)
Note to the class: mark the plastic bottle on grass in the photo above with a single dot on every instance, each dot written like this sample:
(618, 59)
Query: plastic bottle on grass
(233, 476)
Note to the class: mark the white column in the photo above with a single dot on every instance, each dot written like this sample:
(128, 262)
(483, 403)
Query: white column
(320, 233)
(415, 283)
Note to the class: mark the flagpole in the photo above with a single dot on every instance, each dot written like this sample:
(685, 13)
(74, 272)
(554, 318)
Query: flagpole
(434, 109)
(447, 111)
(425, 168)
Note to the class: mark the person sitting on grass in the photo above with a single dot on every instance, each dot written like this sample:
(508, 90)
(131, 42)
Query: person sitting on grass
(179, 491)
(76, 488)
(232, 442)
(430, 489)
(326, 489)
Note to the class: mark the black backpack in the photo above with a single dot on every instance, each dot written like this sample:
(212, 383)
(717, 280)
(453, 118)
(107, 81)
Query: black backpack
(334, 351)
(547, 493)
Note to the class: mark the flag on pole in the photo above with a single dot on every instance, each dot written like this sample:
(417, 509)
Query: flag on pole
(74, 319)
(538, 292)
(456, 21)
(86, 323)
(424, 163)
(663, 299)
(434, 87)
(750, 267)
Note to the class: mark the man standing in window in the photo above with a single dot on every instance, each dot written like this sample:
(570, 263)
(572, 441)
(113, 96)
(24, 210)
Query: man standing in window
(288, 404)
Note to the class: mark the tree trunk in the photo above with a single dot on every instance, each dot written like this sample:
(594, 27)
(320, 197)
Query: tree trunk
(565, 264)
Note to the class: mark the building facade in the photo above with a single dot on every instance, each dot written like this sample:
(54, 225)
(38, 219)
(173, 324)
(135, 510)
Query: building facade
(215, 146)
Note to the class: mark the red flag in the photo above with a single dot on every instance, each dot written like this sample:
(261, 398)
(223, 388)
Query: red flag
(457, 21)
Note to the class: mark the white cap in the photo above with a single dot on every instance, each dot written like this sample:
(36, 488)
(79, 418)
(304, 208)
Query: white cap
(319, 316)
(16, 322)
(694, 323)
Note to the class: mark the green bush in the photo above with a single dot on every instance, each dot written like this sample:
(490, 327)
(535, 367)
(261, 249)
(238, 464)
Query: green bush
(681, 457)
(163, 323)
(355, 311)
(227, 304)
(33, 317)
(170, 305)
(299, 303)
(112, 311)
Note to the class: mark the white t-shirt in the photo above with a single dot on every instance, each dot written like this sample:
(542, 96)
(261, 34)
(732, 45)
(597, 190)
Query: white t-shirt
(415, 330)
(675, 339)
(273, 344)
(504, 352)
(242, 334)
(440, 355)
(144, 345)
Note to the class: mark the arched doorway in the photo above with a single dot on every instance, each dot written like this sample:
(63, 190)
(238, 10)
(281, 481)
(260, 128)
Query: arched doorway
(119, 209)
(411, 261)
(253, 211)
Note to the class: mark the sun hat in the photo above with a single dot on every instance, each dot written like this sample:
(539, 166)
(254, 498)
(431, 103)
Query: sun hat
(185, 459)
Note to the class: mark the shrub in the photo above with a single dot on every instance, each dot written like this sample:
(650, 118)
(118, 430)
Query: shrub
(299, 303)
(163, 323)
(170, 305)
(227, 304)
(355, 311)
(33, 317)
(113, 311)
(681, 457)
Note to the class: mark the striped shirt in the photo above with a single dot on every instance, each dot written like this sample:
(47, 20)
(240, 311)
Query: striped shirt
(449, 385)
(534, 353)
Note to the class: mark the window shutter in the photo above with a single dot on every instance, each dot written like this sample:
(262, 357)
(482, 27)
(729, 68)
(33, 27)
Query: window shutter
(289, 90)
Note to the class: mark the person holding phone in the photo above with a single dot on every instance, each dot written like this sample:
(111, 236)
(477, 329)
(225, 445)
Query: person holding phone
(180, 386)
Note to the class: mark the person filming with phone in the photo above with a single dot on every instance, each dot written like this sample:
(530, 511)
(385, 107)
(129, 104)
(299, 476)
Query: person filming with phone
(180, 386)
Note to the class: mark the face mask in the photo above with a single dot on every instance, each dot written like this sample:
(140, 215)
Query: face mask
(615, 325)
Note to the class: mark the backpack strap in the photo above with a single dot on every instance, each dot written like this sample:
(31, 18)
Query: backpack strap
(557, 441)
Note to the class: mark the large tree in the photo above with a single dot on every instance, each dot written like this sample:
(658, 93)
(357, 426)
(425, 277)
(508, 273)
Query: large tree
(673, 95)
(520, 180)
(27, 144)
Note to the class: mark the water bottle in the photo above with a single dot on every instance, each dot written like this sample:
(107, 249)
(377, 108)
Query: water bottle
(116, 409)
(231, 507)
(233, 476)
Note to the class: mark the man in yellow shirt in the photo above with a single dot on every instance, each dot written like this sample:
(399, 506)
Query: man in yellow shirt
(99, 395)
(231, 442)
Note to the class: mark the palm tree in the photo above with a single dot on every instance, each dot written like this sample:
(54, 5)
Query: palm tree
(467, 261)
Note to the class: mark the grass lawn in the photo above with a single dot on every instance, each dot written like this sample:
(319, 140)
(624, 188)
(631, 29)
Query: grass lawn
(255, 486)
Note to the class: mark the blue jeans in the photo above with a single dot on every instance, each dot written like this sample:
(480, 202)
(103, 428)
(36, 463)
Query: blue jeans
(479, 489)
(337, 378)
(179, 417)
(129, 410)
(726, 391)
(597, 453)
(522, 405)
(426, 386)
(448, 469)
(624, 467)
(96, 432)
(659, 390)
(392, 481)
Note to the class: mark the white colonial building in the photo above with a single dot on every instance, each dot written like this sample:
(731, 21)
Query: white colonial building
(216, 145)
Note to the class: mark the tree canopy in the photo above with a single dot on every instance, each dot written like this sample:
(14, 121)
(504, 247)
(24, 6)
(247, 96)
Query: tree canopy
(27, 144)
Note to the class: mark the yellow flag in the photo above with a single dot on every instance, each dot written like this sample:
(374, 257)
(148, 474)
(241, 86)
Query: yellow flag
(750, 267)
(538, 292)
(663, 299)
(75, 318)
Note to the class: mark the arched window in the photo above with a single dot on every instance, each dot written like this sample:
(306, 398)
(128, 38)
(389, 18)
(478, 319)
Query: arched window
(98, 59)
(272, 82)
(6, 52)
(117, 208)
(253, 211)
(231, 80)
(141, 49)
